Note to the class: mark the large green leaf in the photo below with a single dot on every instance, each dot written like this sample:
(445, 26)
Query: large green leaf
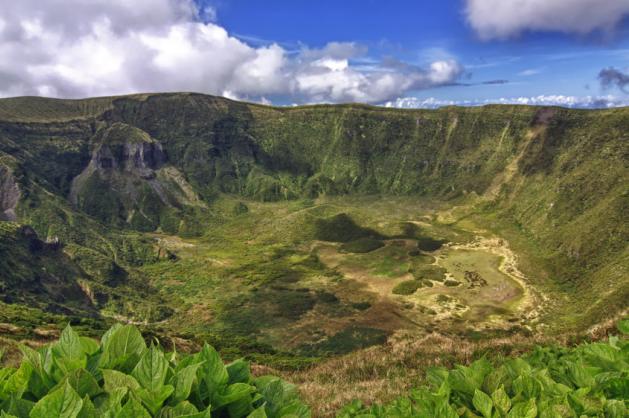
(40, 381)
(150, 372)
(154, 399)
(238, 372)
(122, 348)
(17, 383)
(501, 400)
(89, 345)
(182, 409)
(483, 403)
(83, 383)
(276, 393)
(109, 333)
(183, 380)
(234, 393)
(445, 410)
(528, 386)
(110, 404)
(65, 365)
(213, 372)
(133, 409)
(88, 410)
(63, 402)
(115, 379)
(258, 413)
(524, 410)
(581, 375)
(69, 345)
(616, 409)
(436, 376)
(549, 410)
(616, 387)
(18, 407)
(295, 409)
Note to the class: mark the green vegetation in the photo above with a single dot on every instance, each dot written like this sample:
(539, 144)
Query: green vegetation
(430, 272)
(407, 287)
(590, 380)
(362, 245)
(122, 377)
(429, 244)
(98, 173)
(342, 228)
(289, 236)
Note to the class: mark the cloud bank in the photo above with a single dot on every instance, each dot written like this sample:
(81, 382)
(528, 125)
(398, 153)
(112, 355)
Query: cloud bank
(610, 77)
(585, 102)
(507, 18)
(80, 48)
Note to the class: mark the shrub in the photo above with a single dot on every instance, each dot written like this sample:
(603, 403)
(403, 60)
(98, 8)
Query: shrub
(362, 245)
(590, 380)
(341, 228)
(430, 272)
(407, 287)
(429, 244)
(122, 377)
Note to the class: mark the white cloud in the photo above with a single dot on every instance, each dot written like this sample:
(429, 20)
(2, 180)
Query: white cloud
(530, 72)
(79, 48)
(584, 102)
(336, 81)
(506, 18)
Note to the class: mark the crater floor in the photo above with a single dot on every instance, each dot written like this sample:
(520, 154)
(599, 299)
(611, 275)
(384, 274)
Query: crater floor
(335, 275)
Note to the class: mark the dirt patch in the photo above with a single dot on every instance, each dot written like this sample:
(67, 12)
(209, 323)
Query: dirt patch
(530, 302)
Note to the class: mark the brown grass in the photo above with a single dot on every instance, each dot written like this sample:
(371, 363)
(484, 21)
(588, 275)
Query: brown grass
(382, 373)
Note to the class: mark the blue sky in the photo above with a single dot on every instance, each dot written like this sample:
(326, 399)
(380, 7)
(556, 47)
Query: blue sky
(405, 53)
(531, 63)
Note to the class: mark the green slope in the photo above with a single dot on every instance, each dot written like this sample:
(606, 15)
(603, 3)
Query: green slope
(553, 180)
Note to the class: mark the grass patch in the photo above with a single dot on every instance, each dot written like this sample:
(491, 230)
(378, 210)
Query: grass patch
(362, 245)
(430, 272)
(350, 339)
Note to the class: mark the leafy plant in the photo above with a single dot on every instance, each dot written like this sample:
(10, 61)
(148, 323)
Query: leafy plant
(121, 377)
(590, 380)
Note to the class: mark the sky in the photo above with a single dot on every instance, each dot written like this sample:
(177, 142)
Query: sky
(400, 53)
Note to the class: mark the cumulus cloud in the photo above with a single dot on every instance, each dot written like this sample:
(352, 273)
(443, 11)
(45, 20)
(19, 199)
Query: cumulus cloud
(79, 48)
(610, 77)
(585, 102)
(503, 18)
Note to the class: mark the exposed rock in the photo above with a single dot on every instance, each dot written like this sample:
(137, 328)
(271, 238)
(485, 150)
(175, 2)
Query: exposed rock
(9, 194)
(128, 180)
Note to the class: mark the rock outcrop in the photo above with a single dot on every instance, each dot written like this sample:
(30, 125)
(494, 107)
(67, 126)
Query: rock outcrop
(129, 181)
(9, 194)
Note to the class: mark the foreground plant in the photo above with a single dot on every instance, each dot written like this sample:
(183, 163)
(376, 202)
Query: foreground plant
(591, 380)
(123, 378)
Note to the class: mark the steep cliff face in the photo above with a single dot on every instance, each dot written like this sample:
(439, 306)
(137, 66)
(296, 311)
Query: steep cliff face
(9, 194)
(128, 182)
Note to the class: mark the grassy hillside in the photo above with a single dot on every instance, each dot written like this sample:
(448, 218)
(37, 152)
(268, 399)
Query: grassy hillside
(186, 207)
